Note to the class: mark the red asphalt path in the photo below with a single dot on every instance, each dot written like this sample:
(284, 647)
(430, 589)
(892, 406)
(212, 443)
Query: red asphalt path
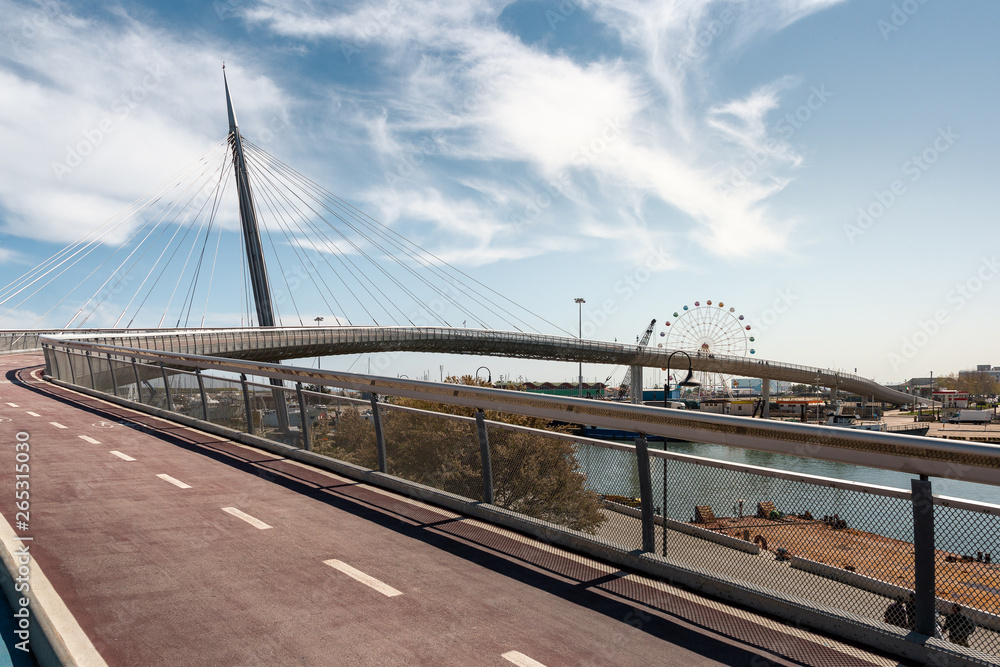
(156, 574)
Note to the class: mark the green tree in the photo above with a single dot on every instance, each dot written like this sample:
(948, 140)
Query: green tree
(533, 474)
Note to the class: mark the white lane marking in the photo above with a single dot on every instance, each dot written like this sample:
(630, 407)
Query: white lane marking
(358, 575)
(175, 482)
(33, 414)
(14, 405)
(520, 659)
(119, 454)
(58, 425)
(256, 523)
(87, 438)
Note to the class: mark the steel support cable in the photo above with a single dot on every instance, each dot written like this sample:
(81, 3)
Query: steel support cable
(351, 269)
(361, 252)
(183, 271)
(215, 261)
(79, 284)
(193, 286)
(173, 204)
(289, 204)
(218, 194)
(262, 194)
(387, 233)
(263, 189)
(187, 260)
(389, 255)
(166, 247)
(306, 260)
(300, 252)
(56, 260)
(392, 257)
(375, 264)
(96, 236)
(180, 244)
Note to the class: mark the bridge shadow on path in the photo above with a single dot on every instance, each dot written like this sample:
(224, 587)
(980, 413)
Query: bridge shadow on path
(716, 631)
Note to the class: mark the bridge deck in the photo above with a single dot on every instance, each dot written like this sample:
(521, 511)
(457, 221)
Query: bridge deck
(159, 574)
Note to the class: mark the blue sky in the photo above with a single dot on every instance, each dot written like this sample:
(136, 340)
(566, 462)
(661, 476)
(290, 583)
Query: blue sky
(825, 168)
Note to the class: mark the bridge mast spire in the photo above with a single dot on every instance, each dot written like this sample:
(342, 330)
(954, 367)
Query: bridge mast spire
(248, 220)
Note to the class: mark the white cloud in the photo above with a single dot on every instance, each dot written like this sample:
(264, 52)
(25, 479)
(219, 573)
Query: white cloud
(488, 100)
(99, 110)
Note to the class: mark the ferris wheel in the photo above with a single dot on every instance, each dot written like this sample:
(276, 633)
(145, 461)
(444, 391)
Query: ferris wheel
(707, 330)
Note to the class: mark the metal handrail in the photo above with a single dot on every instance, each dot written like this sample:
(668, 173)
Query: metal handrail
(967, 461)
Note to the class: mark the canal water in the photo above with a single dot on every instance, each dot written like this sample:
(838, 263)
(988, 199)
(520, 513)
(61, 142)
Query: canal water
(687, 485)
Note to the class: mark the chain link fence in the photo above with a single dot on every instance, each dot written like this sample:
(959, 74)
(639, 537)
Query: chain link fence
(826, 542)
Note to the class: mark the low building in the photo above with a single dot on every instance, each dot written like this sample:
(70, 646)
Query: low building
(590, 389)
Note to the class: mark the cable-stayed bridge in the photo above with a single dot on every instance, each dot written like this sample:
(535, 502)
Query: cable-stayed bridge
(139, 317)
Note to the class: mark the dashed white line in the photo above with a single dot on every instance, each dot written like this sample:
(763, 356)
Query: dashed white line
(175, 482)
(256, 523)
(358, 575)
(120, 455)
(87, 438)
(33, 414)
(14, 405)
(520, 659)
(58, 425)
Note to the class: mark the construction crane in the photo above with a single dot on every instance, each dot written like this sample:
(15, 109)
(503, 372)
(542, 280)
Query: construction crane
(623, 389)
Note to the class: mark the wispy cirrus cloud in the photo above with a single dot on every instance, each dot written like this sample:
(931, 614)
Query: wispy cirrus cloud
(503, 111)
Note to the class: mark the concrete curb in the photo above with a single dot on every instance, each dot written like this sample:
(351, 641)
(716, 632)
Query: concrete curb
(55, 638)
(688, 529)
(798, 611)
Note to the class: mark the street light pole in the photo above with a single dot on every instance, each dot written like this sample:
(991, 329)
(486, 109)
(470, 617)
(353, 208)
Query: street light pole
(686, 382)
(317, 320)
(580, 302)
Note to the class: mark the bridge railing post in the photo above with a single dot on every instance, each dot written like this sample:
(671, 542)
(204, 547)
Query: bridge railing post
(166, 387)
(69, 363)
(383, 463)
(90, 367)
(924, 587)
(645, 494)
(114, 380)
(138, 385)
(484, 453)
(246, 403)
(303, 418)
(201, 390)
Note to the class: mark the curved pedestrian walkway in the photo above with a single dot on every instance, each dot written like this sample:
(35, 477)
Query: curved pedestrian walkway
(172, 546)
